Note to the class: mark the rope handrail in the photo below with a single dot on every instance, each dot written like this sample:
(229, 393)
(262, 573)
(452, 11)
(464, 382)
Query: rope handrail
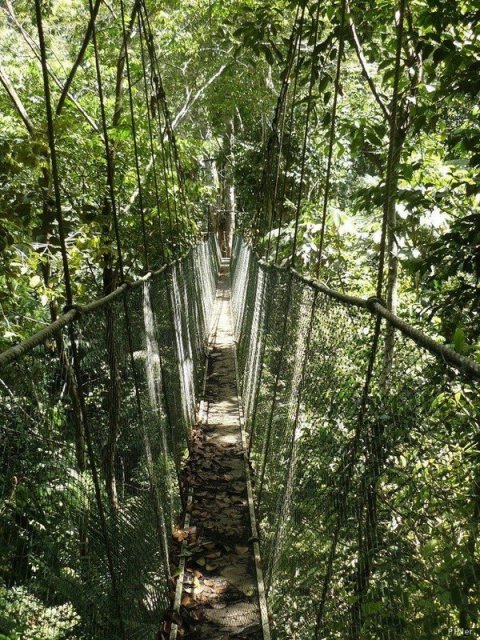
(117, 389)
(75, 311)
(364, 458)
(375, 306)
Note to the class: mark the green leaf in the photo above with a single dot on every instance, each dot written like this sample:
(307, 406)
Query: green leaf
(459, 340)
(324, 82)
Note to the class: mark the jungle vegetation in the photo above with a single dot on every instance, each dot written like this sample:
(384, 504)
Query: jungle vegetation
(223, 65)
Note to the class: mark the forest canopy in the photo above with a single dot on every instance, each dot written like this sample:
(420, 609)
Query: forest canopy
(223, 65)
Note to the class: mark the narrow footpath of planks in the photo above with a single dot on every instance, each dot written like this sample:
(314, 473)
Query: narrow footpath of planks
(220, 587)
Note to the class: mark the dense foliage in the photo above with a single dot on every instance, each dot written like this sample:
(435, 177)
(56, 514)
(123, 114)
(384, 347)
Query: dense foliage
(246, 87)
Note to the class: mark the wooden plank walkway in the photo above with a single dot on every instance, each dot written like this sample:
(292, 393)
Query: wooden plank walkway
(220, 586)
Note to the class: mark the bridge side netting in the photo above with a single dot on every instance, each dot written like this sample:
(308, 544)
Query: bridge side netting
(89, 497)
(368, 503)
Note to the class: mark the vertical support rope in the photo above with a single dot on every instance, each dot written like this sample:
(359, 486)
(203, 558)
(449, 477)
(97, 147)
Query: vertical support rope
(305, 139)
(53, 151)
(275, 144)
(134, 135)
(167, 156)
(108, 150)
(141, 27)
(174, 156)
(392, 151)
(288, 154)
(331, 141)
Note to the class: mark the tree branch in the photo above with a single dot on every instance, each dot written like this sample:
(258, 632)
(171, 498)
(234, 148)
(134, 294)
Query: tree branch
(176, 121)
(110, 8)
(117, 112)
(191, 101)
(17, 103)
(79, 59)
(34, 47)
(363, 63)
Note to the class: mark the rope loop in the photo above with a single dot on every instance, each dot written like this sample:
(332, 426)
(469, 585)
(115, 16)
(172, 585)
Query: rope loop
(373, 300)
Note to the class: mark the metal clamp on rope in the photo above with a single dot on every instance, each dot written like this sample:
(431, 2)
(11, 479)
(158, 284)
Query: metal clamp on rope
(373, 300)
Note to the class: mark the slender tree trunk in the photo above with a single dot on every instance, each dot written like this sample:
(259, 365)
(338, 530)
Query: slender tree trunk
(110, 448)
(210, 168)
(109, 284)
(391, 289)
(70, 377)
(229, 200)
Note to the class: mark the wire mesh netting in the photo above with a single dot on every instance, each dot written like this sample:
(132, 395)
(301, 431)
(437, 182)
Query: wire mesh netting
(368, 497)
(90, 452)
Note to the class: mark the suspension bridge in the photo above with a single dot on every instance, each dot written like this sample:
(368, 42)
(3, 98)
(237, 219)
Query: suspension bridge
(225, 448)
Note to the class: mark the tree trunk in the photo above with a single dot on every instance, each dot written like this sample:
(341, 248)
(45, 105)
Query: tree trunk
(110, 448)
(228, 190)
(69, 373)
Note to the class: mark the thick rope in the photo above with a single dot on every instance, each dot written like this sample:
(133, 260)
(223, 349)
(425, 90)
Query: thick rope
(148, 106)
(176, 167)
(167, 157)
(110, 169)
(275, 142)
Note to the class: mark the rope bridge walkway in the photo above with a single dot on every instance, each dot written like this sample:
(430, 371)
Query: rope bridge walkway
(220, 597)
(182, 460)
